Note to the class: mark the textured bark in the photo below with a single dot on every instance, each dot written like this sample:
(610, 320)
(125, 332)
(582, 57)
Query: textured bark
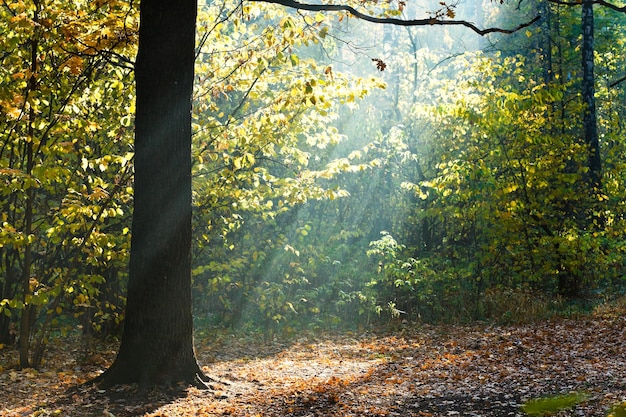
(157, 342)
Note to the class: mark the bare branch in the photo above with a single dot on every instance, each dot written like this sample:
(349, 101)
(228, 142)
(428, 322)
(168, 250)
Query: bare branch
(565, 3)
(617, 82)
(603, 3)
(394, 21)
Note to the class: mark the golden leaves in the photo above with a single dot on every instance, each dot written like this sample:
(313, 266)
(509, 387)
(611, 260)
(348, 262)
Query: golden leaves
(74, 65)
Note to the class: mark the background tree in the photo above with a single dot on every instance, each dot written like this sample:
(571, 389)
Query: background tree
(565, 192)
(590, 124)
(64, 203)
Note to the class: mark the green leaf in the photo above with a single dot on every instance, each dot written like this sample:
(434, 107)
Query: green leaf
(550, 405)
(618, 410)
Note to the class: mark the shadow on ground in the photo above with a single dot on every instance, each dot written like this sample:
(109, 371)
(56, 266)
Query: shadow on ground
(119, 401)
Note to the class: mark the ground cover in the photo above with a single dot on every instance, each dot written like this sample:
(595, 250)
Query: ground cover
(414, 370)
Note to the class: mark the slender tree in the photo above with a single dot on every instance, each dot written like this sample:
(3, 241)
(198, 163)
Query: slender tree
(588, 96)
(26, 319)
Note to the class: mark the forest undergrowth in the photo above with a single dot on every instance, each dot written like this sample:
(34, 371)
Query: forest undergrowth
(410, 370)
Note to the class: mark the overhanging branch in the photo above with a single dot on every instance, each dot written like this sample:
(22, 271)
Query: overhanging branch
(295, 4)
(603, 3)
(621, 9)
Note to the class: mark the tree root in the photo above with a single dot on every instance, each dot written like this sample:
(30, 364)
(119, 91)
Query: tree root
(194, 377)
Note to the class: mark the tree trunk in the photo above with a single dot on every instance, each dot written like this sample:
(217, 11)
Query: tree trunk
(548, 70)
(588, 92)
(28, 313)
(157, 342)
(570, 282)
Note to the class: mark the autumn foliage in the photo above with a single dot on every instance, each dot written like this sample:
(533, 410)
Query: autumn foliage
(346, 177)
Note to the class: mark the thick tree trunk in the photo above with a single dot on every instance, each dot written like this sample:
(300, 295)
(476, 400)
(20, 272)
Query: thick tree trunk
(157, 342)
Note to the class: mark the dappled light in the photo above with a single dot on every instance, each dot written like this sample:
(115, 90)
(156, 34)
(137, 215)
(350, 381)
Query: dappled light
(415, 370)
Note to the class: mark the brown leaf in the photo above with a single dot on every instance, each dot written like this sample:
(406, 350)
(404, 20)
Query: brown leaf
(380, 64)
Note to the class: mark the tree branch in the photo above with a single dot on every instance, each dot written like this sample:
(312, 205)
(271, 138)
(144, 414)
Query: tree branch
(394, 21)
(611, 6)
(603, 3)
(615, 83)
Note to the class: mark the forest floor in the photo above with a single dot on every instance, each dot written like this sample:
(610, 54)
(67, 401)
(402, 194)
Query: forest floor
(414, 370)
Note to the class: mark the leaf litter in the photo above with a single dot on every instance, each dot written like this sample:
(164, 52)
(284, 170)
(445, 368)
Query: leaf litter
(414, 370)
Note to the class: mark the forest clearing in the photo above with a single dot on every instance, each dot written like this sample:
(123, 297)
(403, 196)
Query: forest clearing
(416, 370)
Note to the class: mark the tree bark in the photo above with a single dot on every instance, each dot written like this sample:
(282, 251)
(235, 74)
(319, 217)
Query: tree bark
(157, 341)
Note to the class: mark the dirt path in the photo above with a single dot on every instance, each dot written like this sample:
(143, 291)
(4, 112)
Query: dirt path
(418, 371)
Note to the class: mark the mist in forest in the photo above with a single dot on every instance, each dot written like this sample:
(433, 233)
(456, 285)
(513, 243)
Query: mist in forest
(362, 249)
